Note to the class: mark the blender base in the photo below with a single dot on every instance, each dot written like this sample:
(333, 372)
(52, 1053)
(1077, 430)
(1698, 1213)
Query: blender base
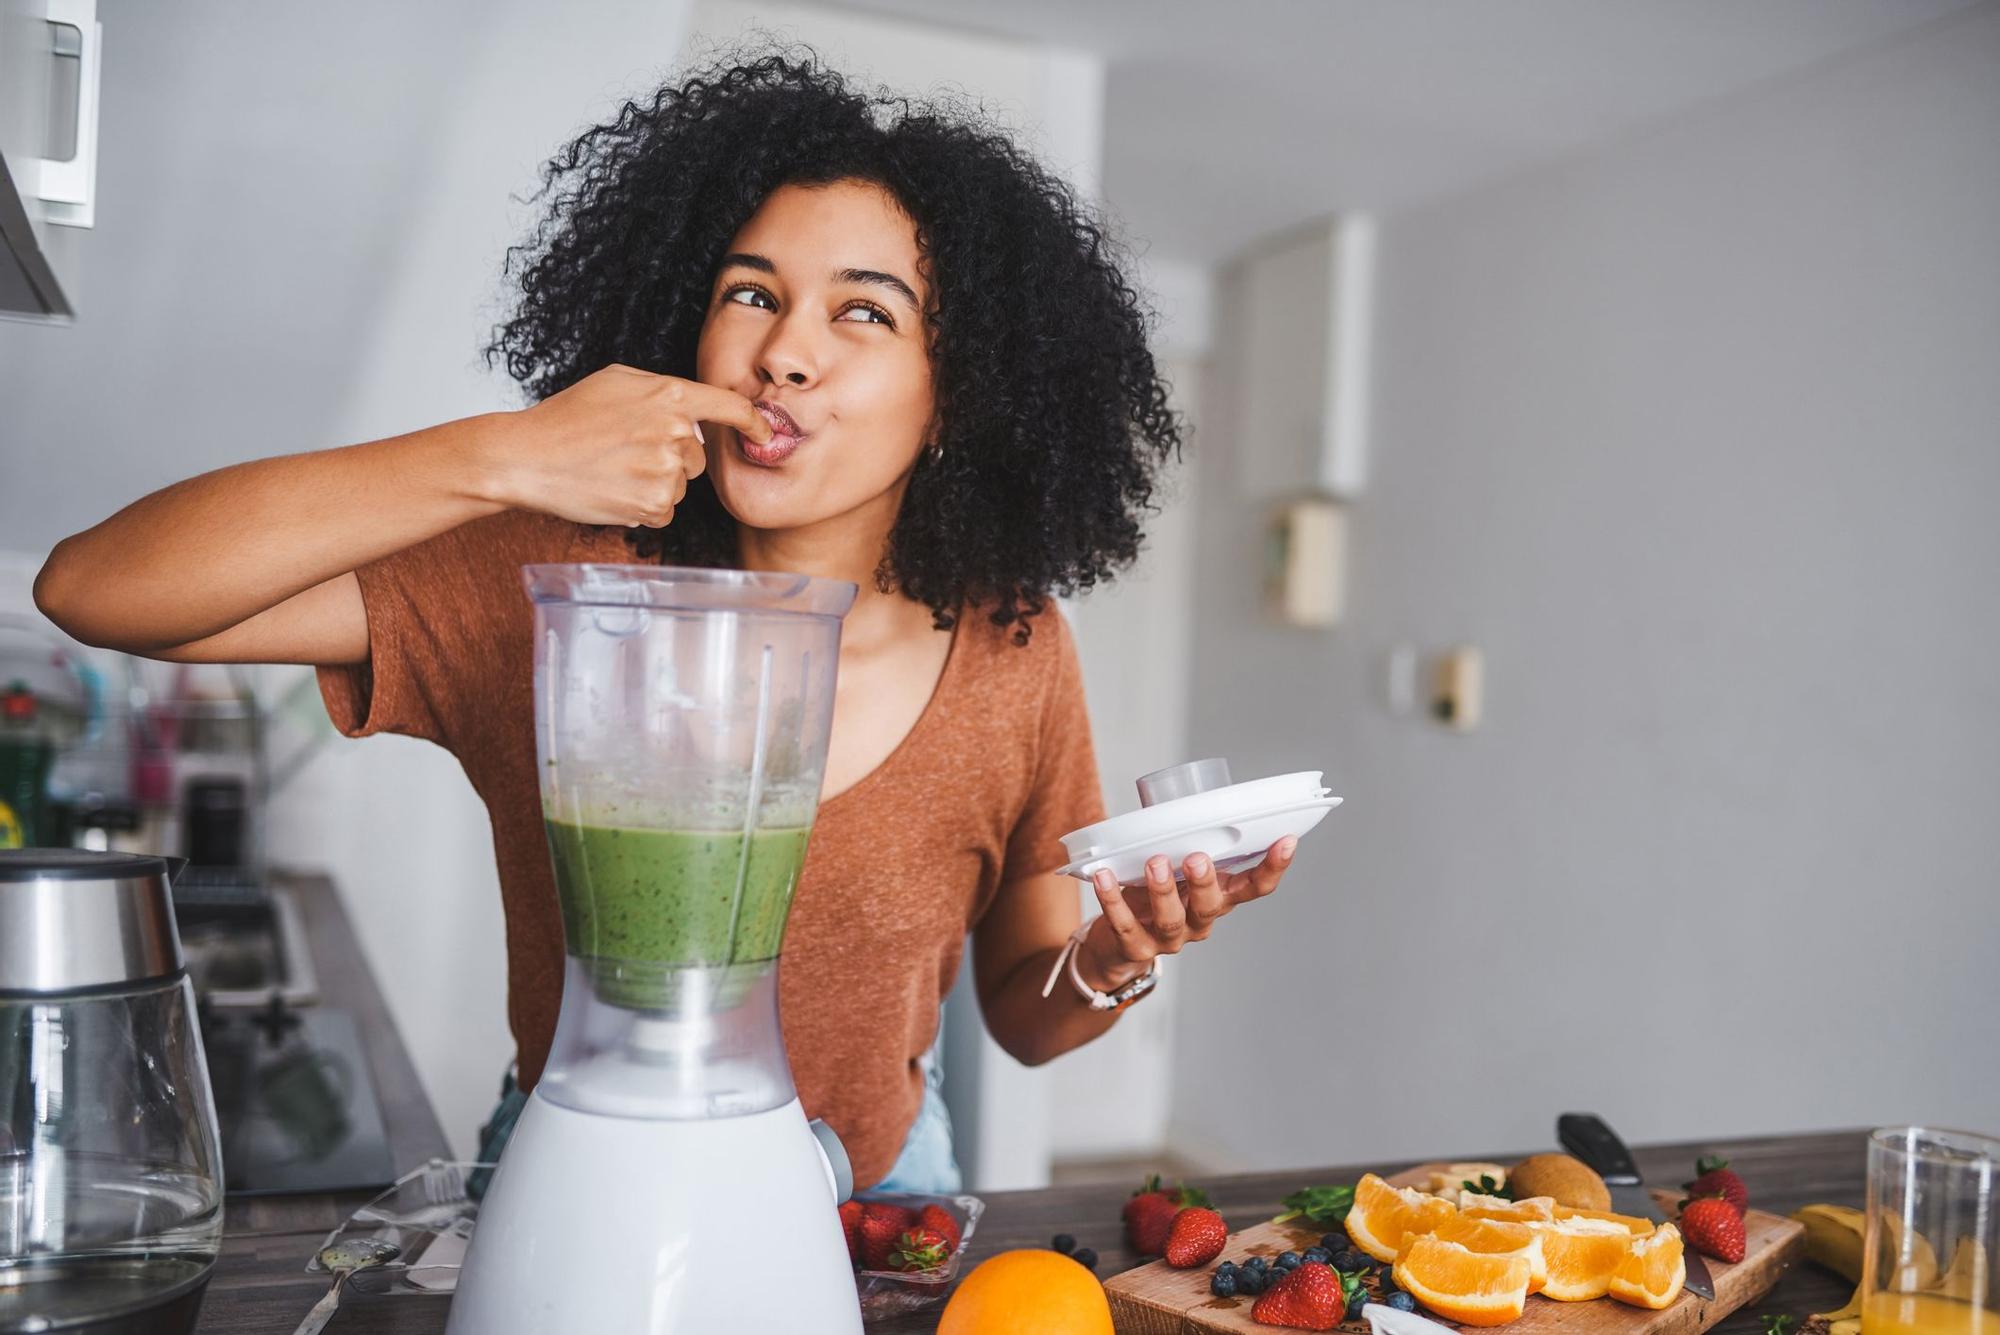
(651, 1226)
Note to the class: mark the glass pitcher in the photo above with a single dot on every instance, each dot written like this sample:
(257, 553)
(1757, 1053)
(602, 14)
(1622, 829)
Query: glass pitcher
(681, 724)
(110, 1163)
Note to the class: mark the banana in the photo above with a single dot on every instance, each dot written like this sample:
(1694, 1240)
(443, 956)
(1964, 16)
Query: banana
(1833, 1237)
(1966, 1277)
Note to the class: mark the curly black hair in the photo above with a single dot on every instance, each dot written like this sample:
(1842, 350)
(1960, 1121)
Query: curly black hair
(1054, 419)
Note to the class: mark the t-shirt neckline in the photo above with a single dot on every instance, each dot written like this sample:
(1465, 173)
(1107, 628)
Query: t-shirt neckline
(930, 710)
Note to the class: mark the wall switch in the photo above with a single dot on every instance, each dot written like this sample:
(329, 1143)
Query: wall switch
(1458, 690)
(1305, 562)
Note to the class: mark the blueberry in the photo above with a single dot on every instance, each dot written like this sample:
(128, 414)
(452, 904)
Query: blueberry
(1349, 1261)
(1063, 1243)
(1335, 1241)
(1320, 1254)
(1251, 1282)
(1257, 1263)
(1288, 1259)
(1226, 1268)
(1223, 1284)
(1401, 1301)
(1085, 1257)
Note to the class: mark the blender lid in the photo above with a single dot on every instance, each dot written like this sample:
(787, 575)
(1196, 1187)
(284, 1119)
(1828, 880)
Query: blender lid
(73, 920)
(1193, 808)
(688, 589)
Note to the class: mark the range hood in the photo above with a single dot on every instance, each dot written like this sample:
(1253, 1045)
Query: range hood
(49, 62)
(28, 286)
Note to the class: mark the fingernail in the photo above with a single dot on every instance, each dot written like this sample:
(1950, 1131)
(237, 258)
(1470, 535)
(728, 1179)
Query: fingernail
(1102, 878)
(1288, 847)
(699, 438)
(1156, 867)
(1198, 864)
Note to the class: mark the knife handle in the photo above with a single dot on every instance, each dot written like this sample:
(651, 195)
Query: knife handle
(1587, 1137)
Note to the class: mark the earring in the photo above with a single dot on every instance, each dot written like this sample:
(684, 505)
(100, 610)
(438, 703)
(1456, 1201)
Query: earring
(936, 451)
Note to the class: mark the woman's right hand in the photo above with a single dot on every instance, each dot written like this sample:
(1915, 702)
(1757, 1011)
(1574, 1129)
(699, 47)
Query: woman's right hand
(617, 447)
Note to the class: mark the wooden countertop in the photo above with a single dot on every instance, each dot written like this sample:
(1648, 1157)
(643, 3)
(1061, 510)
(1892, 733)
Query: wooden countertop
(261, 1285)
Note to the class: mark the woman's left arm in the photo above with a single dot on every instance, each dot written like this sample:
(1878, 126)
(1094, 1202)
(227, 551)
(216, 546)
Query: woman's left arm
(1025, 929)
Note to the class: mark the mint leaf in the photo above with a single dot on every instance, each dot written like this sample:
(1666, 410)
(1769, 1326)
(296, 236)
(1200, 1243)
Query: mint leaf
(1486, 1186)
(1323, 1206)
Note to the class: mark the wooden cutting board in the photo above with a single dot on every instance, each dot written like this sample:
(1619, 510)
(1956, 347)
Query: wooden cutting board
(1157, 1299)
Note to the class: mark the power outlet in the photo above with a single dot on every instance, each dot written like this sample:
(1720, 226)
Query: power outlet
(1459, 689)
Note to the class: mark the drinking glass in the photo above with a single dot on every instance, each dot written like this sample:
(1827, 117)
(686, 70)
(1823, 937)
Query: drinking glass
(1933, 1233)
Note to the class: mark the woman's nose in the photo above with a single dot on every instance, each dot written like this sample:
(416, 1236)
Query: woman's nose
(787, 359)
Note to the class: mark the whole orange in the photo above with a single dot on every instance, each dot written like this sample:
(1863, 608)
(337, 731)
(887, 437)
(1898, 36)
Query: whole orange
(1027, 1292)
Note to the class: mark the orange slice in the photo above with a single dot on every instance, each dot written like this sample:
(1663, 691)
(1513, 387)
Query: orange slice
(1519, 1212)
(1459, 1284)
(1582, 1255)
(1653, 1271)
(1493, 1237)
(1632, 1223)
(1383, 1218)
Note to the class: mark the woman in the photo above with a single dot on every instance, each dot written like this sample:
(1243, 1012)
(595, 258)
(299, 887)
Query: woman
(772, 323)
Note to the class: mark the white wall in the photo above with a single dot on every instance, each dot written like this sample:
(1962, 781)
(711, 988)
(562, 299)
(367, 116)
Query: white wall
(1696, 436)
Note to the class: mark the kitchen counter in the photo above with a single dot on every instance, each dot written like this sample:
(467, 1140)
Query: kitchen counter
(261, 1286)
(260, 1283)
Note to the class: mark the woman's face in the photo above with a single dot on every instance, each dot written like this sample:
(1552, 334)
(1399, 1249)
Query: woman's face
(817, 317)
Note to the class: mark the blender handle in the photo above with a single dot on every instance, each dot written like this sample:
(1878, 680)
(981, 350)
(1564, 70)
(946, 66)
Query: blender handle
(839, 1170)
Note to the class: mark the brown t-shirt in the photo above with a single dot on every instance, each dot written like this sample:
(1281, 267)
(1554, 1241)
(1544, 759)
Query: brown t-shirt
(900, 867)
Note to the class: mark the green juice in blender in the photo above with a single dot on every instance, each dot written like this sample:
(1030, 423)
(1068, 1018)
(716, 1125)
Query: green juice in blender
(638, 903)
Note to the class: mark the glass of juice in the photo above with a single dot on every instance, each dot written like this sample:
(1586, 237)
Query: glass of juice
(1928, 1267)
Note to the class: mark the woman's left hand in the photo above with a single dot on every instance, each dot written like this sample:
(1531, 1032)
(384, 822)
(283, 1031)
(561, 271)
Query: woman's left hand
(1123, 943)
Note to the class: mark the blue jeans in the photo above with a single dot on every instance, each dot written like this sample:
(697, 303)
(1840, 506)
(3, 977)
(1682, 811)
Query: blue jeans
(925, 1164)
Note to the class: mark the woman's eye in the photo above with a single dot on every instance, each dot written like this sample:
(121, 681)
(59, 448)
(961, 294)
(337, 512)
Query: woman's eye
(750, 296)
(869, 315)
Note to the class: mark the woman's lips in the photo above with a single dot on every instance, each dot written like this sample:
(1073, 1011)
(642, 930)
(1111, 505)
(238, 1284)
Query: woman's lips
(785, 437)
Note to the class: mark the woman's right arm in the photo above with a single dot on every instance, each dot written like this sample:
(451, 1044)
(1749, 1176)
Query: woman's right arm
(255, 563)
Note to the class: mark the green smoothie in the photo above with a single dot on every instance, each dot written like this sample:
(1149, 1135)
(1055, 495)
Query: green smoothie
(671, 897)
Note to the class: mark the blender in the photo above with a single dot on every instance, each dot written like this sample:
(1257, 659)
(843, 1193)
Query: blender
(681, 723)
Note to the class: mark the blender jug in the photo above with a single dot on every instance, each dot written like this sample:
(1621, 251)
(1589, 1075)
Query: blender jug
(681, 723)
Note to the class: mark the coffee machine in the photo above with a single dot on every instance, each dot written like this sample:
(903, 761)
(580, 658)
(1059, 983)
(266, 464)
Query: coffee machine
(681, 723)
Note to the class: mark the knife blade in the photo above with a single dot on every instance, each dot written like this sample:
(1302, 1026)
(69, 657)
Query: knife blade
(1588, 1137)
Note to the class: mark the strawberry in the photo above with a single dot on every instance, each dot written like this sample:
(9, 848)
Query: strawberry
(850, 1224)
(1195, 1238)
(920, 1249)
(1149, 1215)
(1716, 1179)
(938, 1220)
(1307, 1299)
(881, 1225)
(1713, 1227)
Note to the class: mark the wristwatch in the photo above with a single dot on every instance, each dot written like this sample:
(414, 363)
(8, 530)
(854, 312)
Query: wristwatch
(1100, 1001)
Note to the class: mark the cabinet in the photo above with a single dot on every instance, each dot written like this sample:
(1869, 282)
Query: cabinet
(49, 80)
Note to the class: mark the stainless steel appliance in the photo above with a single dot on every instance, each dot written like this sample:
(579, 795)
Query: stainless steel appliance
(110, 1162)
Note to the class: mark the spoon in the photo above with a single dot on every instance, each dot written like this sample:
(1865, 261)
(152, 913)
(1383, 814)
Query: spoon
(343, 1258)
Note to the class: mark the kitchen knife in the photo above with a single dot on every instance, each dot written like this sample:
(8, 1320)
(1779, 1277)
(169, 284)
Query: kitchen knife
(1587, 1137)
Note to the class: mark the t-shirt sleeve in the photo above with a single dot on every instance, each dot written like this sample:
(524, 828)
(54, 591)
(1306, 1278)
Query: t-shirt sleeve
(1065, 795)
(420, 603)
